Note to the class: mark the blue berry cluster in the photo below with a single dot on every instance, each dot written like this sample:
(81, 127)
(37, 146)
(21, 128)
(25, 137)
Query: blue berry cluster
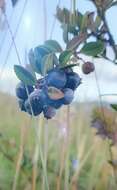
(35, 99)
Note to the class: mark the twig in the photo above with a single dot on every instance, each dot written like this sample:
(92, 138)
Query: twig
(112, 43)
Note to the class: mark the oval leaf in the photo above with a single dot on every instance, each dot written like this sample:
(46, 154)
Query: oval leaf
(65, 57)
(76, 41)
(65, 32)
(41, 51)
(24, 75)
(93, 48)
(47, 63)
(55, 93)
(114, 106)
(53, 45)
(34, 62)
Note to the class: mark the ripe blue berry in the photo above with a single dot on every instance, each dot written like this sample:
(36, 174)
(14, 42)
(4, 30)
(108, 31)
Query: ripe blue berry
(21, 91)
(56, 78)
(55, 103)
(49, 112)
(68, 96)
(73, 80)
(21, 104)
(34, 104)
(68, 70)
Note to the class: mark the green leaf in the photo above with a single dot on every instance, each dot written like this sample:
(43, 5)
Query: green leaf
(63, 15)
(114, 4)
(97, 22)
(30, 69)
(76, 41)
(47, 63)
(79, 18)
(72, 29)
(55, 93)
(114, 106)
(53, 45)
(25, 76)
(65, 57)
(68, 66)
(93, 48)
(41, 51)
(35, 61)
(84, 22)
(65, 32)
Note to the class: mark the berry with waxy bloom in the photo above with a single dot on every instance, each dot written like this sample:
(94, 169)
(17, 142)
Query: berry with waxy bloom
(22, 90)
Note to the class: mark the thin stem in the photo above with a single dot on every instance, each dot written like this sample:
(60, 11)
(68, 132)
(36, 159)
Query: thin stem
(13, 36)
(67, 150)
(20, 157)
(112, 43)
(35, 159)
(45, 19)
(45, 149)
(54, 22)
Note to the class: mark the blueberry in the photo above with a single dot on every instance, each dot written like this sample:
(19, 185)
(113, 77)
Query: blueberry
(21, 91)
(49, 112)
(73, 81)
(68, 96)
(68, 70)
(56, 78)
(21, 104)
(55, 103)
(88, 67)
(34, 103)
(51, 102)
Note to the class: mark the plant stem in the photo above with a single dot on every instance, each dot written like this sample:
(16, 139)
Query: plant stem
(45, 150)
(36, 155)
(20, 157)
(112, 43)
(67, 143)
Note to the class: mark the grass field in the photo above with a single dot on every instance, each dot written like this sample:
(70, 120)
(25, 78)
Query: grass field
(60, 154)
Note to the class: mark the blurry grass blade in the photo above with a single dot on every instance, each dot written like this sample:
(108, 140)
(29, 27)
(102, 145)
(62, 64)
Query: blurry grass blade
(24, 75)
(53, 45)
(65, 57)
(55, 93)
(76, 41)
(93, 48)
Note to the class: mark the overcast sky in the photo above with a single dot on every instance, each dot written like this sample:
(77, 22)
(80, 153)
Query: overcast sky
(31, 33)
